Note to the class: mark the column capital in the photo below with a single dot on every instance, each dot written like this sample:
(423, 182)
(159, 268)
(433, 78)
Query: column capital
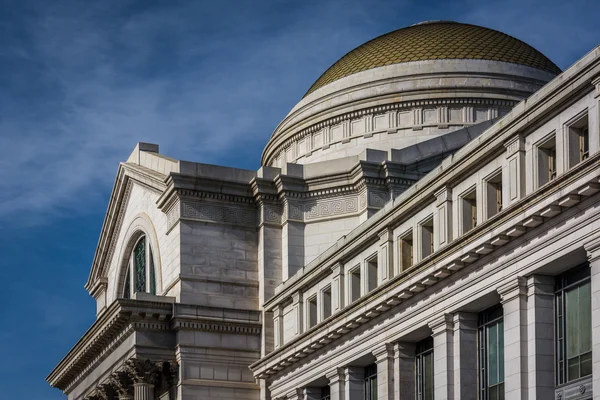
(335, 376)
(106, 391)
(441, 324)
(142, 371)
(353, 373)
(383, 352)
(513, 289)
(122, 384)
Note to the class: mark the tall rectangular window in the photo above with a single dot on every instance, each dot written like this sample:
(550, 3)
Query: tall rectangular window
(371, 382)
(573, 325)
(372, 273)
(325, 393)
(405, 251)
(355, 283)
(493, 188)
(546, 155)
(491, 354)
(469, 210)
(578, 140)
(312, 311)
(326, 302)
(424, 369)
(427, 238)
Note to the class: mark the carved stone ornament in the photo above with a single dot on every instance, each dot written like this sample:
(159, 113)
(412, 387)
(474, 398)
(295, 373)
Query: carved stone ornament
(170, 371)
(142, 371)
(121, 382)
(106, 391)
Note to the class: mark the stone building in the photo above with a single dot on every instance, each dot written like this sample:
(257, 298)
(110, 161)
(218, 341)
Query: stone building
(425, 225)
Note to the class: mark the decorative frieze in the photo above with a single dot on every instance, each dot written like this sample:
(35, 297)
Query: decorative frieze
(218, 213)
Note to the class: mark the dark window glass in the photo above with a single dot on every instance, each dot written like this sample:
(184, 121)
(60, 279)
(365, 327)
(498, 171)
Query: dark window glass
(139, 260)
(371, 382)
(127, 289)
(491, 354)
(152, 276)
(573, 325)
(424, 369)
(325, 393)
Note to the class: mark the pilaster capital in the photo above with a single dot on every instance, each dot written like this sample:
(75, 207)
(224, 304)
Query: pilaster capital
(386, 235)
(277, 311)
(441, 324)
(513, 289)
(593, 249)
(383, 352)
(353, 373)
(142, 371)
(404, 350)
(443, 195)
(540, 285)
(335, 376)
(596, 83)
(170, 370)
(465, 321)
(297, 297)
(514, 145)
(337, 269)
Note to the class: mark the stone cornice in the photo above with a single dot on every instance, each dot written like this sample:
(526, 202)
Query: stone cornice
(540, 106)
(121, 318)
(460, 253)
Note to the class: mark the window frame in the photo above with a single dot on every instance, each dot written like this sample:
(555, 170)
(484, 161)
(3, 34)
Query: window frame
(129, 281)
(423, 348)
(370, 382)
(573, 279)
(492, 316)
(406, 239)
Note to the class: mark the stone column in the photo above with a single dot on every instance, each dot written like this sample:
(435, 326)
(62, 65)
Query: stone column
(354, 385)
(443, 362)
(593, 251)
(143, 391)
(404, 367)
(337, 383)
(540, 337)
(311, 393)
(514, 303)
(443, 236)
(337, 288)
(465, 356)
(144, 375)
(122, 384)
(384, 356)
(386, 256)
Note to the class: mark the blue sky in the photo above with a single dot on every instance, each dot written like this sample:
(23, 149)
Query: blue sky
(82, 81)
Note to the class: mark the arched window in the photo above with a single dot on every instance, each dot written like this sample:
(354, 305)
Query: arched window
(139, 276)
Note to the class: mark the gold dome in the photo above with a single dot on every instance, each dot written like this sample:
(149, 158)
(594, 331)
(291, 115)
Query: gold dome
(435, 40)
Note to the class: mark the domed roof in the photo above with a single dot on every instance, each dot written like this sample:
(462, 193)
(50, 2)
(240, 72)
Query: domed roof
(435, 40)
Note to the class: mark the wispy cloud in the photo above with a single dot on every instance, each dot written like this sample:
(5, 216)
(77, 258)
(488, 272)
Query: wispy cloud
(84, 81)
